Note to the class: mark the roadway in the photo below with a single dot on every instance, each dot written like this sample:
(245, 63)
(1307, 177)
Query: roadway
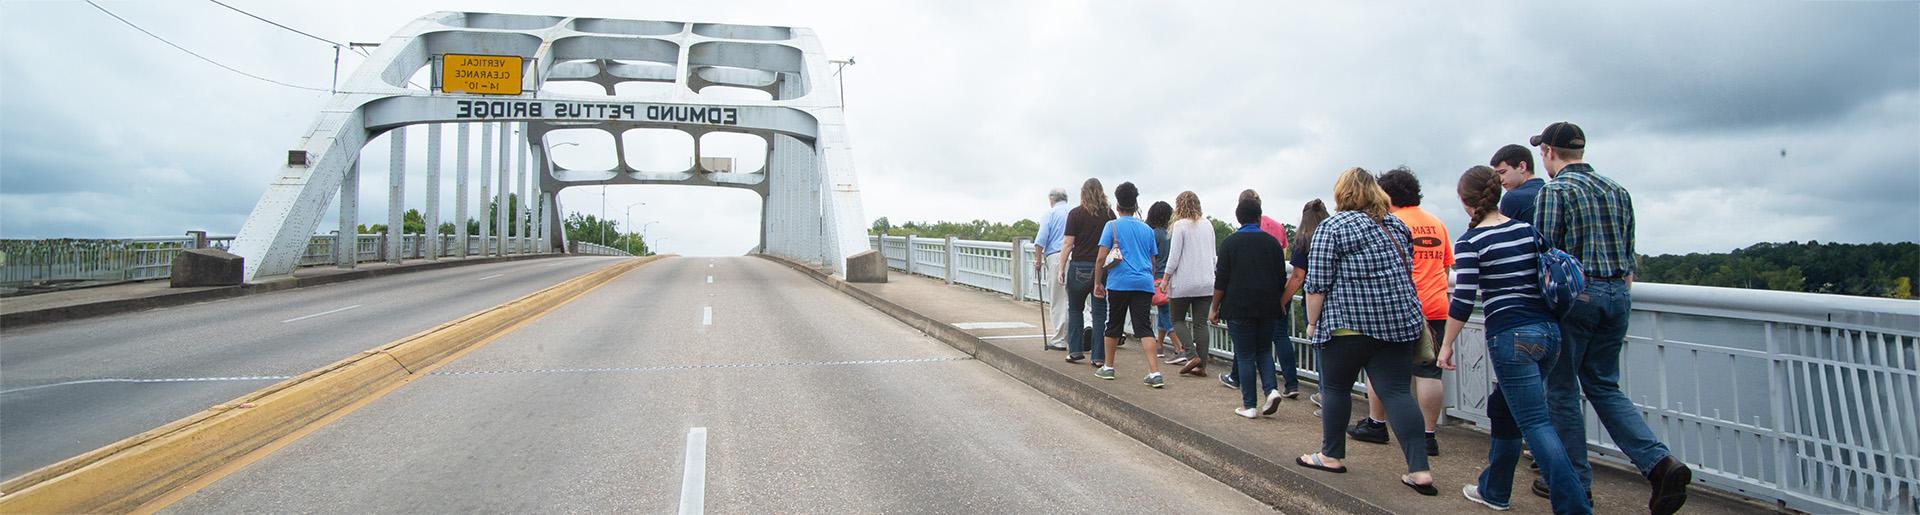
(54, 403)
(808, 402)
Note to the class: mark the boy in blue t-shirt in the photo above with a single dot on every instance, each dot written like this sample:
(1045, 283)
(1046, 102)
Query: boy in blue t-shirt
(1127, 283)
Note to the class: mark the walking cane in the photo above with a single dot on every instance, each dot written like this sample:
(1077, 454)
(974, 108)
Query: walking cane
(1040, 290)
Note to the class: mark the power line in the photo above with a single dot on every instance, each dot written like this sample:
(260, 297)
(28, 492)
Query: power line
(275, 23)
(192, 53)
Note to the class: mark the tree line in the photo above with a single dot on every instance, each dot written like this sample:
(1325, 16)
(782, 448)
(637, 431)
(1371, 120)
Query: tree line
(578, 227)
(1864, 269)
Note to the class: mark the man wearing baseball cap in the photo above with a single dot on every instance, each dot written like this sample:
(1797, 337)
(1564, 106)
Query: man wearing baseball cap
(1591, 217)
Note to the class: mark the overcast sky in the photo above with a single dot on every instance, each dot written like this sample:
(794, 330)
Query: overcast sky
(1731, 122)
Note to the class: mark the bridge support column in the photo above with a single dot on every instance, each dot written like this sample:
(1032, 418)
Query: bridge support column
(462, 136)
(520, 185)
(485, 215)
(952, 255)
(910, 252)
(397, 196)
(346, 243)
(430, 241)
(1022, 269)
(500, 196)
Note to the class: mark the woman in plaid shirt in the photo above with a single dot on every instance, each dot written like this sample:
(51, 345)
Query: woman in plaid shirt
(1362, 312)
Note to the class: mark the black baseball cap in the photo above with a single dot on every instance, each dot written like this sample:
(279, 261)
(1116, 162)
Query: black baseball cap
(1561, 135)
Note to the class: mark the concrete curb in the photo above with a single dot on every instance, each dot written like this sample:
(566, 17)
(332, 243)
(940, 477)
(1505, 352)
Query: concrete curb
(127, 474)
(1279, 484)
(112, 307)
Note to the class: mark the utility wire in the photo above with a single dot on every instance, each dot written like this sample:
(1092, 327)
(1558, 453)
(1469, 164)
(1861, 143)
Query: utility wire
(192, 53)
(276, 24)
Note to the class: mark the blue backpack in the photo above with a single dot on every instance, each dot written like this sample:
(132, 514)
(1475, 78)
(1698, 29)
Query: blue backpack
(1561, 277)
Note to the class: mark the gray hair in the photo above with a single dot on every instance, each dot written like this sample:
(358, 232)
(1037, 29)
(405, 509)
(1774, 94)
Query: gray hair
(1057, 195)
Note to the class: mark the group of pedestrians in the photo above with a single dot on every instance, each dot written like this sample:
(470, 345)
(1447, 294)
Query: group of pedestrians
(1548, 263)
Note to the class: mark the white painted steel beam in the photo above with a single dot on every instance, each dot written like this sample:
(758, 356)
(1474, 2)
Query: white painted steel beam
(811, 208)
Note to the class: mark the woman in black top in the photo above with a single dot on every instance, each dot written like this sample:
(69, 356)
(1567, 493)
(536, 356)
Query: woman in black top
(1248, 279)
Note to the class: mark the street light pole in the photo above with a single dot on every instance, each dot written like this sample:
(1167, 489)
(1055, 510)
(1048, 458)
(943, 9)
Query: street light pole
(643, 231)
(629, 219)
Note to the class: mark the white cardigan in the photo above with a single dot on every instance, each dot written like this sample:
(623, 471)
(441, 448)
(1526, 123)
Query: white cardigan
(1190, 260)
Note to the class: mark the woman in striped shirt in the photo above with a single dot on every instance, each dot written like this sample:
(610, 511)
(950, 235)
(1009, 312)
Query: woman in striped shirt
(1496, 265)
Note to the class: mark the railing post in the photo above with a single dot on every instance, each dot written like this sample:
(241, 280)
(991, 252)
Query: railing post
(910, 251)
(382, 256)
(952, 256)
(1020, 267)
(199, 239)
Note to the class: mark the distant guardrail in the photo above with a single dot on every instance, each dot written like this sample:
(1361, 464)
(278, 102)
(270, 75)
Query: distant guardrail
(1810, 401)
(27, 262)
(581, 247)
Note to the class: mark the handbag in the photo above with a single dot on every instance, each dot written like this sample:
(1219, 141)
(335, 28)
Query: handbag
(1159, 295)
(1113, 255)
(1425, 353)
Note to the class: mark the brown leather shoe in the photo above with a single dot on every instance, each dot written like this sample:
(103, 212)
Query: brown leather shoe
(1195, 367)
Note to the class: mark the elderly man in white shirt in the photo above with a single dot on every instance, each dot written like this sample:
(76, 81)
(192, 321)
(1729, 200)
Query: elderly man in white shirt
(1046, 244)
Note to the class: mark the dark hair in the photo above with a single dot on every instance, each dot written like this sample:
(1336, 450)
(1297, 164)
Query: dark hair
(1248, 212)
(1513, 155)
(1159, 215)
(1403, 189)
(1126, 197)
(1480, 190)
(1310, 217)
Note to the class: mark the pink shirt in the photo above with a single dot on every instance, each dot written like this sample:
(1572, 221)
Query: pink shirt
(1272, 228)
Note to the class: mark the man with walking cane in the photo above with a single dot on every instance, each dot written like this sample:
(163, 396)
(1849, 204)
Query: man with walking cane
(1046, 245)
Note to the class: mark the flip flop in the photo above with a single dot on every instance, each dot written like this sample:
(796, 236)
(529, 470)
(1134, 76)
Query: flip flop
(1319, 464)
(1427, 489)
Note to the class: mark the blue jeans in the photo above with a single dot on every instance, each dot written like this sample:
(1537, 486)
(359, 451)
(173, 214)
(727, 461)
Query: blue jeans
(1283, 351)
(1252, 356)
(1079, 289)
(1592, 336)
(1166, 317)
(1521, 357)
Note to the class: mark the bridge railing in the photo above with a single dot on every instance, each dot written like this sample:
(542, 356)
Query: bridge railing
(595, 249)
(1806, 400)
(24, 262)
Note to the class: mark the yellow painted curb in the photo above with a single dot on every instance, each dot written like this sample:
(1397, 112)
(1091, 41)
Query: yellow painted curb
(126, 474)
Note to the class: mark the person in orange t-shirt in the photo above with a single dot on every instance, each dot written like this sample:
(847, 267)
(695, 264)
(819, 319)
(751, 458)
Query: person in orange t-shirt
(1432, 256)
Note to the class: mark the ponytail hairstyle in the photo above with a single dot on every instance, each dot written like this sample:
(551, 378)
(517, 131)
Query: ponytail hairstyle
(1310, 217)
(1480, 190)
(1093, 198)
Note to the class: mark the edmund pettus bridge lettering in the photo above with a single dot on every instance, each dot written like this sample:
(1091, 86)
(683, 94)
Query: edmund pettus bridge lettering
(485, 109)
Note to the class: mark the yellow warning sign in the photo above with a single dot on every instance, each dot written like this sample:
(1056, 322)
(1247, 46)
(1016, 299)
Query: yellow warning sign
(481, 74)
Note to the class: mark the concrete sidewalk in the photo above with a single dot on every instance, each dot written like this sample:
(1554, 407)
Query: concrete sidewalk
(97, 301)
(1192, 420)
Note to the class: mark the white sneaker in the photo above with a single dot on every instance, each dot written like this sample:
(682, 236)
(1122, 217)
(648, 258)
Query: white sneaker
(1473, 494)
(1273, 403)
(1247, 412)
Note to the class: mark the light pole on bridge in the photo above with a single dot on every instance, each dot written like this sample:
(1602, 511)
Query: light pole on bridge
(629, 223)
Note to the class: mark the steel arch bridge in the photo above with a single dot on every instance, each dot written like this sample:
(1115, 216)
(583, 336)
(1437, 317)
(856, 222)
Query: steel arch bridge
(810, 199)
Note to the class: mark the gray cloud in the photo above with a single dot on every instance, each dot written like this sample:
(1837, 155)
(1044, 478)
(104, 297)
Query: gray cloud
(973, 111)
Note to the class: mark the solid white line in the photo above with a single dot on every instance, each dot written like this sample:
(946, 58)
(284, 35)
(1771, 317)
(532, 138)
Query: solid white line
(1009, 337)
(323, 313)
(693, 476)
(144, 381)
(706, 317)
(491, 276)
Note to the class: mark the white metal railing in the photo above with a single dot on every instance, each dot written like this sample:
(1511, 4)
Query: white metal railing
(25, 262)
(1806, 400)
(581, 247)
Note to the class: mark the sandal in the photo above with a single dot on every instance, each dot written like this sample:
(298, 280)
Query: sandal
(1319, 463)
(1426, 489)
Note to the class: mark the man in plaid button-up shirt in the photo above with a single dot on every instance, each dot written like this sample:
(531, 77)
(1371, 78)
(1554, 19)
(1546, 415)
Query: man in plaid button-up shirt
(1591, 217)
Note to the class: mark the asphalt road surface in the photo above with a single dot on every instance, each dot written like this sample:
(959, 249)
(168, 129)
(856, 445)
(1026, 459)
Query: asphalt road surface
(733, 385)
(61, 385)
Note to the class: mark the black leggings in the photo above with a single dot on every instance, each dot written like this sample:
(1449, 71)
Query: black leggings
(1390, 366)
